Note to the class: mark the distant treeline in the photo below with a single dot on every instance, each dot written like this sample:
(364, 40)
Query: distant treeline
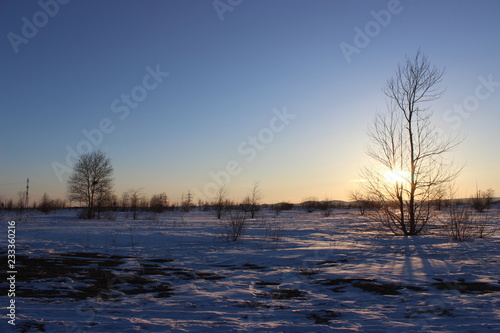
(159, 203)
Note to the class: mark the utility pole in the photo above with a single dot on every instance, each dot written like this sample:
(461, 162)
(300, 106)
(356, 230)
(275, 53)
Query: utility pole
(27, 192)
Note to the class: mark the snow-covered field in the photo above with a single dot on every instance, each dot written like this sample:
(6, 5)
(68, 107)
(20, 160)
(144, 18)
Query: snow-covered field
(292, 272)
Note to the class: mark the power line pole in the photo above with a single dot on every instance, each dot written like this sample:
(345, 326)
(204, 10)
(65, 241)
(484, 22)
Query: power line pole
(27, 191)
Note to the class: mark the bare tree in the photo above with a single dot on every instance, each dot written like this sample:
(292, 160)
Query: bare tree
(21, 201)
(411, 170)
(220, 200)
(91, 179)
(46, 205)
(251, 203)
(158, 203)
(125, 201)
(362, 201)
(135, 198)
(9, 205)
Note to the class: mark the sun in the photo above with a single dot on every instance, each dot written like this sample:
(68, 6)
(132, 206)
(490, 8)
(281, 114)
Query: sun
(396, 176)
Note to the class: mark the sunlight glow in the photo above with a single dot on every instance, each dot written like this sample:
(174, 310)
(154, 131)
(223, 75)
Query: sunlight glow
(396, 176)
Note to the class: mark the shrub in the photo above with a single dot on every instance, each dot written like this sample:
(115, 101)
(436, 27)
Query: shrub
(461, 223)
(310, 204)
(233, 226)
(326, 207)
(274, 231)
(482, 200)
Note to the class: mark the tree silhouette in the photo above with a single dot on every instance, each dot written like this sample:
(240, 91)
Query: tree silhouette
(92, 178)
(410, 170)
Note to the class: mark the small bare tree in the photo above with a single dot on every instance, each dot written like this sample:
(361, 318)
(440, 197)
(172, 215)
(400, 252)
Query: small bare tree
(21, 200)
(9, 205)
(92, 177)
(411, 168)
(135, 198)
(46, 205)
(220, 200)
(362, 201)
(125, 201)
(251, 203)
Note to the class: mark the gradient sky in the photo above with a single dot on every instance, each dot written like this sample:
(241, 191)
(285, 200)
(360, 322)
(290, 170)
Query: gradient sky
(231, 69)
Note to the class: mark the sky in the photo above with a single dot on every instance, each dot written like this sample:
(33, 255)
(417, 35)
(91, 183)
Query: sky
(185, 95)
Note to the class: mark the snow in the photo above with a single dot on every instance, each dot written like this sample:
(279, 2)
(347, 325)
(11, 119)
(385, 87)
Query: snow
(292, 272)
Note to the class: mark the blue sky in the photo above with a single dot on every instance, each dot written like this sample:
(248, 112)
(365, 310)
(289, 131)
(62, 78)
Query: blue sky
(255, 90)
